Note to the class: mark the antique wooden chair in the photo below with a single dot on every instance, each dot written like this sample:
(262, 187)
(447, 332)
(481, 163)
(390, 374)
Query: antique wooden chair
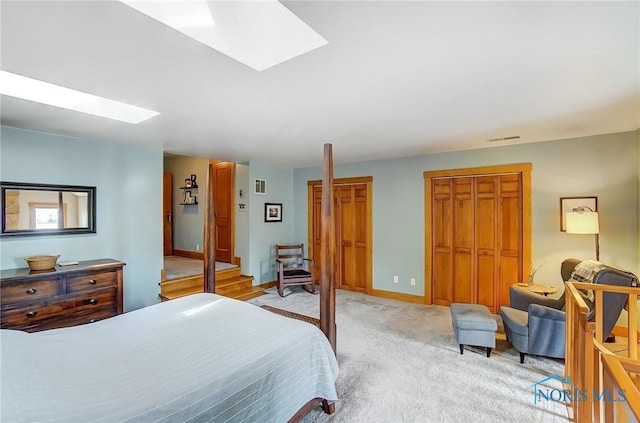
(294, 268)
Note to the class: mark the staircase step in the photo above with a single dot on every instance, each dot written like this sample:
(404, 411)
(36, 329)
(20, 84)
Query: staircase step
(179, 293)
(225, 274)
(229, 282)
(252, 292)
(235, 284)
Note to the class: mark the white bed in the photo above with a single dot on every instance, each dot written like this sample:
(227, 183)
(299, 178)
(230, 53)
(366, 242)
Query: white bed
(198, 358)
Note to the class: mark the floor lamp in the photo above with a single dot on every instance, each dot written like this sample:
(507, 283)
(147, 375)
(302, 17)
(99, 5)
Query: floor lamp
(583, 220)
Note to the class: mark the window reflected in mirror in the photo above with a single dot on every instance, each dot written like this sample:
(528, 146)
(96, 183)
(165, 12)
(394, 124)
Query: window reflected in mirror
(32, 209)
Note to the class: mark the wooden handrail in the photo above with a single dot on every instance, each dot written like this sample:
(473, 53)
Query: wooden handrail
(591, 366)
(616, 371)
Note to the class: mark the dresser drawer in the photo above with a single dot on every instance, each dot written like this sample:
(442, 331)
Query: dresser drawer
(104, 298)
(35, 312)
(75, 319)
(30, 290)
(91, 281)
(80, 318)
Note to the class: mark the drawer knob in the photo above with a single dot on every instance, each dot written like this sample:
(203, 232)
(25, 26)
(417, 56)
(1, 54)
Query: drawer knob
(92, 301)
(32, 313)
(93, 281)
(31, 291)
(93, 320)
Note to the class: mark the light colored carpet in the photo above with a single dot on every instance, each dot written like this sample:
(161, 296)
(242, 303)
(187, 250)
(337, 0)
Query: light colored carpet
(177, 267)
(399, 363)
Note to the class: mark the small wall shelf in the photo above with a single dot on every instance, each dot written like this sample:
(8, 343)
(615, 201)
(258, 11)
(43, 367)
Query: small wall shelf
(190, 182)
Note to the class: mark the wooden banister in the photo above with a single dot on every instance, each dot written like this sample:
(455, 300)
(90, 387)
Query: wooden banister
(616, 372)
(591, 366)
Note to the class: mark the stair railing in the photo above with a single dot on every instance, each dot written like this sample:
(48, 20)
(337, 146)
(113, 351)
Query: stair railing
(609, 383)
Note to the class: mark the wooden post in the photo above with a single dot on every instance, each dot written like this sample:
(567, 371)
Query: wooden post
(327, 251)
(209, 238)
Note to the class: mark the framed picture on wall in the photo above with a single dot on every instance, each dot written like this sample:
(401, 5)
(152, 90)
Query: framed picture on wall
(273, 212)
(567, 204)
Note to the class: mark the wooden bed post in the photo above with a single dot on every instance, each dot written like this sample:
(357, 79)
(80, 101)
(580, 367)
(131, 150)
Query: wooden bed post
(209, 238)
(327, 252)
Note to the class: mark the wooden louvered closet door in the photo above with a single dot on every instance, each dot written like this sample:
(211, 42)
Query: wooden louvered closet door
(476, 238)
(352, 205)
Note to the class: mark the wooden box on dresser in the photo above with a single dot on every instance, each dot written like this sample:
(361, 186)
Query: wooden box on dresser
(65, 296)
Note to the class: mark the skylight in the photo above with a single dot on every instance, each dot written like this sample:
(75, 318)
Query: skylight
(19, 86)
(259, 34)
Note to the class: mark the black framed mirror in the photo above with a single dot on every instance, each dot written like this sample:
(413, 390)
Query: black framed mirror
(47, 209)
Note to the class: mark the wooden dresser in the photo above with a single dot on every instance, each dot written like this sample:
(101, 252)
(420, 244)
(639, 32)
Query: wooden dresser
(65, 296)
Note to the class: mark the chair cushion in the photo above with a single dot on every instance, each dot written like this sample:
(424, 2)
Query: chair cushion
(296, 273)
(516, 320)
(472, 317)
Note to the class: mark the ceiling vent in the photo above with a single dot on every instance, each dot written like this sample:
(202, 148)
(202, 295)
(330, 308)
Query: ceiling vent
(513, 137)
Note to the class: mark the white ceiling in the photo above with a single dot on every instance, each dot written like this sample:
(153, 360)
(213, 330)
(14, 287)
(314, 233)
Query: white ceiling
(396, 79)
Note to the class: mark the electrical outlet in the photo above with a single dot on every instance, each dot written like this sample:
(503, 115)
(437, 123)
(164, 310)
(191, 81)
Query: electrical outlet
(395, 279)
(413, 281)
(197, 247)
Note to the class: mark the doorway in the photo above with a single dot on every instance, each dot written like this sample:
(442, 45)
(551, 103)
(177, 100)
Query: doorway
(223, 195)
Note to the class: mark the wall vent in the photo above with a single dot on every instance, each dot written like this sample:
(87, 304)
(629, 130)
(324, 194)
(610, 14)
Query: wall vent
(260, 186)
(513, 137)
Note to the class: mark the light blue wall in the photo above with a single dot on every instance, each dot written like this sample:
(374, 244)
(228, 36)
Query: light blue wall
(243, 218)
(188, 221)
(638, 202)
(604, 166)
(129, 200)
(264, 235)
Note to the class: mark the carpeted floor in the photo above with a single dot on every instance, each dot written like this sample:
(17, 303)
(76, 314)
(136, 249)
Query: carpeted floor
(399, 363)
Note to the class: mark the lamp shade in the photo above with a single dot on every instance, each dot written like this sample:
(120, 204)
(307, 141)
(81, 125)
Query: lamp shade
(582, 223)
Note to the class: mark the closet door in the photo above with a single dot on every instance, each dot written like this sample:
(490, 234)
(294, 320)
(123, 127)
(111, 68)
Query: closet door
(352, 205)
(486, 228)
(478, 234)
(510, 229)
(351, 212)
(314, 223)
(463, 240)
(442, 241)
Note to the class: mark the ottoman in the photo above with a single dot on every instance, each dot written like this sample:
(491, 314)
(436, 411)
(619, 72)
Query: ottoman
(473, 324)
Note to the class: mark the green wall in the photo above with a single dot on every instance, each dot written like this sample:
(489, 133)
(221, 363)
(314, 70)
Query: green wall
(128, 201)
(605, 166)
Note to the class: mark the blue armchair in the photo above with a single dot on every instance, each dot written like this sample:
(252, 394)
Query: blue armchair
(535, 324)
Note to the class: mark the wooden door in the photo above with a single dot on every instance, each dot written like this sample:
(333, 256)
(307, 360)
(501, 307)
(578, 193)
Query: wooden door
(351, 235)
(478, 240)
(463, 240)
(510, 232)
(167, 213)
(352, 210)
(485, 251)
(223, 190)
(442, 230)
(315, 215)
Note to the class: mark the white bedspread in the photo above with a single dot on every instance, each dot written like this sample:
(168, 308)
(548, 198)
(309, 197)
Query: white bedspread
(198, 358)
